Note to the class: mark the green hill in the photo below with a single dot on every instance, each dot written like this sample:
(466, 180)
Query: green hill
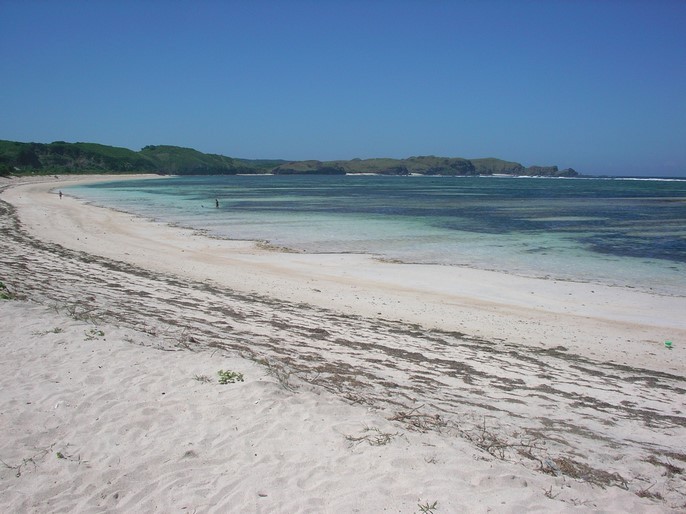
(176, 160)
(422, 165)
(492, 166)
(70, 157)
(62, 157)
(308, 168)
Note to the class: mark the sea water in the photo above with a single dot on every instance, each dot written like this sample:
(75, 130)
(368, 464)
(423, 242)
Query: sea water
(622, 232)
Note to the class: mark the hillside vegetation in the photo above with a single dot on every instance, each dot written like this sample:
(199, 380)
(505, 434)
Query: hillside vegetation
(423, 165)
(61, 157)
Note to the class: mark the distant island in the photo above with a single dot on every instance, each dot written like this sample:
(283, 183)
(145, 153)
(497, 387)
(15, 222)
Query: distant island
(61, 157)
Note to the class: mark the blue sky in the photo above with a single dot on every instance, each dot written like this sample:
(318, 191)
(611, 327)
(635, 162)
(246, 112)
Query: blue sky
(598, 85)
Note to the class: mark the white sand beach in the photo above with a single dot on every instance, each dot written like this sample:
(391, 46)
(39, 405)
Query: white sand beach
(368, 386)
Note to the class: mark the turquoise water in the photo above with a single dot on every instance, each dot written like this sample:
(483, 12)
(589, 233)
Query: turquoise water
(615, 231)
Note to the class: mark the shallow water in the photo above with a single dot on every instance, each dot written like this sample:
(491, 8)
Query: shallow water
(619, 232)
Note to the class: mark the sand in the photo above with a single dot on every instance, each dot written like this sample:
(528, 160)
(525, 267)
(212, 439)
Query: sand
(368, 385)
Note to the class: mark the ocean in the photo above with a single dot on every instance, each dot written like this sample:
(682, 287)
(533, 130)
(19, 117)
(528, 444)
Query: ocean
(621, 232)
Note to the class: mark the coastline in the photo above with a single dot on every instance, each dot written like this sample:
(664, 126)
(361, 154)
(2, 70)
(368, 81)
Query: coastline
(423, 354)
(597, 321)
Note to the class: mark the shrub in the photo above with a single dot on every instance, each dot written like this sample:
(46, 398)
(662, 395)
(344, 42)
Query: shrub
(229, 377)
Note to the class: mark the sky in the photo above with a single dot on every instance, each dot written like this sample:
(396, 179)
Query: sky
(596, 85)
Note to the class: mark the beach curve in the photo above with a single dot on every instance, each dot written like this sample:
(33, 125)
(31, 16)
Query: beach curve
(489, 348)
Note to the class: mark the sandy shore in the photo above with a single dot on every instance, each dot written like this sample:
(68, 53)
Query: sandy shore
(412, 384)
(609, 323)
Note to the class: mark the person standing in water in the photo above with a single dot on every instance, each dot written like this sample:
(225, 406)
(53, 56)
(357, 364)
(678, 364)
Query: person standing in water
(216, 203)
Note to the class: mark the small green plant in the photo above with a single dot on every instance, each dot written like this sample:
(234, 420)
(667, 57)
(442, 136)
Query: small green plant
(427, 507)
(5, 293)
(66, 456)
(229, 377)
(94, 333)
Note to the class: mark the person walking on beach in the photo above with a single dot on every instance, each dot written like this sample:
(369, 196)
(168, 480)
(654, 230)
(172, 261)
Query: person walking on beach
(60, 194)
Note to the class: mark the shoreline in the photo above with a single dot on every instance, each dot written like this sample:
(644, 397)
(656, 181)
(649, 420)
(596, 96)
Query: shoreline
(668, 285)
(411, 385)
(597, 321)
